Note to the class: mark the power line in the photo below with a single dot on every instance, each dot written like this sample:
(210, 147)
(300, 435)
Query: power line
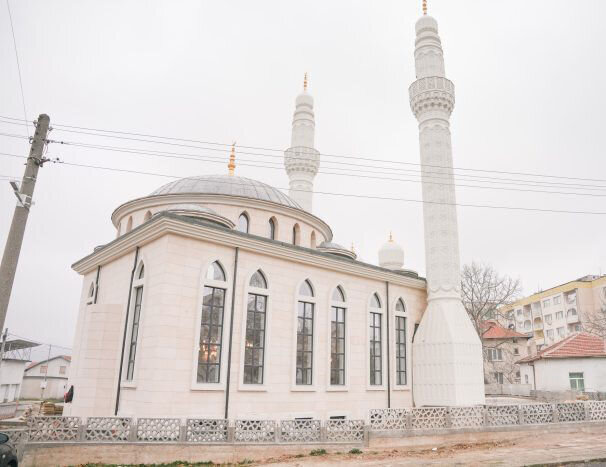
(8, 6)
(215, 159)
(352, 195)
(59, 127)
(38, 342)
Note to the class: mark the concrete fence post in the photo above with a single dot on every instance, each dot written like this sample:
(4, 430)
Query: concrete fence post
(132, 433)
(323, 432)
(409, 420)
(82, 429)
(486, 422)
(587, 407)
(556, 414)
(448, 418)
(366, 436)
(183, 431)
(231, 434)
(520, 415)
(278, 432)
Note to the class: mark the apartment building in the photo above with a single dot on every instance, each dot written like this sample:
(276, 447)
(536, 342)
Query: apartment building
(551, 315)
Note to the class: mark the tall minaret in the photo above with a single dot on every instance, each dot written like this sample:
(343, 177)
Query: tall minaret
(447, 364)
(301, 160)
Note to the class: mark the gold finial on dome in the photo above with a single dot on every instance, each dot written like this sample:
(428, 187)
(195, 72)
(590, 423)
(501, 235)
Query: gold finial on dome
(390, 236)
(352, 248)
(232, 159)
(424, 7)
(305, 82)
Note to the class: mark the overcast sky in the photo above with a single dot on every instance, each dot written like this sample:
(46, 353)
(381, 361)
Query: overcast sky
(529, 79)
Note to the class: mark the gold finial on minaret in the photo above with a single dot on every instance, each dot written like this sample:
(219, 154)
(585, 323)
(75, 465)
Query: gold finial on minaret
(232, 159)
(390, 236)
(305, 82)
(424, 7)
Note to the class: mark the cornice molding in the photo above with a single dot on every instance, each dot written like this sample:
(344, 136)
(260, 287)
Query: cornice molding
(165, 224)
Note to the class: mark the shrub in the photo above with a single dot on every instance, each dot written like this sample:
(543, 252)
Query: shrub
(317, 452)
(355, 451)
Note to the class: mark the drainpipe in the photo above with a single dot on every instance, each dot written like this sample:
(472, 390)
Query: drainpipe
(97, 284)
(388, 335)
(130, 291)
(534, 377)
(231, 333)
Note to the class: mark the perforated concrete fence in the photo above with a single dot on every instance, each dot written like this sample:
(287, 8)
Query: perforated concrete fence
(193, 430)
(433, 418)
(220, 431)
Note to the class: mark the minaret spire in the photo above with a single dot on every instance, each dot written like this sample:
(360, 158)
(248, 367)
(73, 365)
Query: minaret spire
(232, 160)
(448, 366)
(302, 160)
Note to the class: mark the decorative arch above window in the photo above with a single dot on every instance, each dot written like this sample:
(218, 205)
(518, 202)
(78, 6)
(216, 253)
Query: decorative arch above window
(243, 222)
(258, 280)
(375, 302)
(141, 273)
(400, 306)
(215, 272)
(147, 216)
(272, 228)
(306, 289)
(338, 295)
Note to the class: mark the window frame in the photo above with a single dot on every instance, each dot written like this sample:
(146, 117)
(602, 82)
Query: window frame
(273, 228)
(408, 345)
(380, 311)
(137, 283)
(577, 379)
(226, 285)
(345, 305)
(294, 387)
(248, 289)
(247, 217)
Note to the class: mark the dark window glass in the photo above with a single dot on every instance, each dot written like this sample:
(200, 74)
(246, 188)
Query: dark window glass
(305, 337)
(134, 333)
(272, 229)
(337, 345)
(376, 358)
(400, 350)
(243, 223)
(211, 332)
(254, 353)
(142, 272)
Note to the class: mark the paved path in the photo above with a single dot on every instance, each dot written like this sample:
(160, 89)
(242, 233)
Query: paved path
(525, 450)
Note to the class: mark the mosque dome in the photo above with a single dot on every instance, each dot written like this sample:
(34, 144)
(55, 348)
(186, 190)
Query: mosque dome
(226, 185)
(336, 249)
(391, 255)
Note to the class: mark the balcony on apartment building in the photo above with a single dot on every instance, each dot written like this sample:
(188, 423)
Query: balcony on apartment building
(572, 316)
(537, 325)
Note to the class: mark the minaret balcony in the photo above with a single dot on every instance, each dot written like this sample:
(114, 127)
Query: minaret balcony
(431, 93)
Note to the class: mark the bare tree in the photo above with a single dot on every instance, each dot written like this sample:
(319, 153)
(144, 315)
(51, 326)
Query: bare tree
(594, 322)
(485, 293)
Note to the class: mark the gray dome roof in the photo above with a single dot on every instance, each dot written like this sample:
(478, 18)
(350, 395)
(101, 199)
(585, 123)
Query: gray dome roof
(226, 185)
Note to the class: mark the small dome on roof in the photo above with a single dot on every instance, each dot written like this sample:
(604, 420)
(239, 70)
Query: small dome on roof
(391, 255)
(226, 185)
(336, 249)
(305, 99)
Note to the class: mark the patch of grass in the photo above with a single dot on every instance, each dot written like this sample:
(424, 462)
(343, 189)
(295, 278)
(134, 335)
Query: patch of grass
(355, 451)
(317, 452)
(299, 455)
(246, 461)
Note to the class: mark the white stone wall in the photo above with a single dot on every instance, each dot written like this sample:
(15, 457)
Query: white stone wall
(553, 374)
(11, 377)
(164, 381)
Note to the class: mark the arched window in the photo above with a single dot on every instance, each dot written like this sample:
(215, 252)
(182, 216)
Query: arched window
(119, 230)
(211, 325)
(147, 216)
(215, 272)
(272, 228)
(401, 342)
(296, 234)
(305, 335)
(313, 239)
(375, 341)
(243, 222)
(337, 337)
(338, 295)
(136, 309)
(129, 224)
(258, 280)
(91, 293)
(256, 312)
(306, 289)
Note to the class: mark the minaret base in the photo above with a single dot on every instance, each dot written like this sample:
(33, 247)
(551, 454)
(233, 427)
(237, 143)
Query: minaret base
(447, 367)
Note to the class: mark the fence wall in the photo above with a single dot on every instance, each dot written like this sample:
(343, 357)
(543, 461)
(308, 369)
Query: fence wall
(218, 431)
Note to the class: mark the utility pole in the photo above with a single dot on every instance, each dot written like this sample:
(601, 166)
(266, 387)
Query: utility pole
(4, 336)
(24, 194)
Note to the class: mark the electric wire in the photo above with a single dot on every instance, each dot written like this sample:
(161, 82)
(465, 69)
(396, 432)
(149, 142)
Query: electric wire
(351, 195)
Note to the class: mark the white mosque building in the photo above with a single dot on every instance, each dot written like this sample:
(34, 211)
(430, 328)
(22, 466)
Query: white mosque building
(223, 297)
